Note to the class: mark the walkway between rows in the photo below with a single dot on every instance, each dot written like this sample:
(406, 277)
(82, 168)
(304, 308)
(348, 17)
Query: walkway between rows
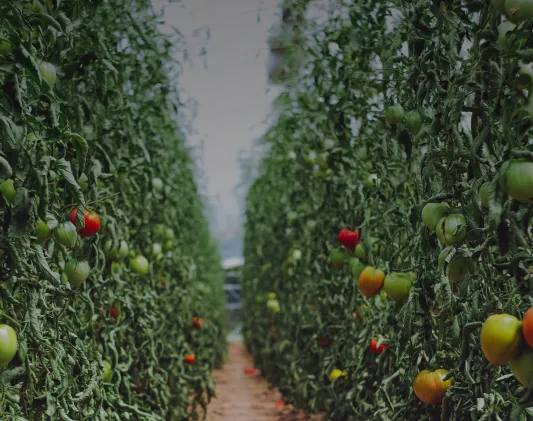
(247, 397)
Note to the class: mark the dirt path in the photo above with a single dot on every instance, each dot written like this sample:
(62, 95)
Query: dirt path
(243, 397)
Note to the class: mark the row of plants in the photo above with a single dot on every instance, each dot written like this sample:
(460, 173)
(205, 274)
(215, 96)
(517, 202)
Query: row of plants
(111, 290)
(388, 234)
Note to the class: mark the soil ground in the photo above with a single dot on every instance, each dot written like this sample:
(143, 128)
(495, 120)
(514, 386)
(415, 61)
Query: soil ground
(242, 397)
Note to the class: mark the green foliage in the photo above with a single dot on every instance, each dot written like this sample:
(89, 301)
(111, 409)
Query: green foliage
(88, 119)
(334, 161)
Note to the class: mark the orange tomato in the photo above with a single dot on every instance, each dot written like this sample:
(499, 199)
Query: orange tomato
(501, 338)
(371, 281)
(189, 359)
(197, 322)
(430, 387)
(527, 327)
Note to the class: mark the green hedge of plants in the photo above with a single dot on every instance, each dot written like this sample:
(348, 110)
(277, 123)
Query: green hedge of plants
(124, 321)
(399, 104)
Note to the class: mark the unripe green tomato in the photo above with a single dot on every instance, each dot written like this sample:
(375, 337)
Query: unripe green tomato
(116, 253)
(508, 42)
(168, 233)
(360, 251)
(519, 180)
(371, 181)
(451, 229)
(522, 367)
(362, 153)
(36, 7)
(8, 345)
(48, 72)
(356, 267)
(108, 371)
(457, 269)
(432, 214)
(5, 48)
(271, 296)
(336, 259)
(519, 10)
(65, 234)
(77, 272)
(273, 306)
(7, 189)
(157, 250)
(43, 232)
(139, 264)
(397, 286)
(157, 184)
(83, 182)
(259, 299)
(394, 114)
(413, 122)
(484, 194)
(169, 244)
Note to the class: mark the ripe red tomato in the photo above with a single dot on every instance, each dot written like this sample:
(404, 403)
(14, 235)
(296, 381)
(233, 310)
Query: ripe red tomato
(348, 238)
(371, 281)
(501, 338)
(527, 327)
(249, 371)
(375, 349)
(430, 387)
(189, 359)
(197, 322)
(114, 313)
(92, 223)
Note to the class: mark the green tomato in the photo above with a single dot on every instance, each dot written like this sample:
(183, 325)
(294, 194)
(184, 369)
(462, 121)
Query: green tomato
(77, 272)
(273, 306)
(356, 267)
(519, 10)
(362, 153)
(43, 232)
(7, 189)
(371, 181)
(433, 212)
(522, 367)
(259, 299)
(157, 184)
(8, 344)
(5, 48)
(506, 42)
(336, 259)
(157, 250)
(36, 7)
(394, 114)
(169, 244)
(484, 194)
(397, 286)
(168, 233)
(83, 182)
(519, 180)
(140, 265)
(65, 234)
(360, 251)
(525, 76)
(457, 269)
(48, 72)
(413, 122)
(451, 229)
(108, 371)
(116, 253)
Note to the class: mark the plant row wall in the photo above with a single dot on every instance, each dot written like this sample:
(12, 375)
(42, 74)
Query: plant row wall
(397, 105)
(119, 316)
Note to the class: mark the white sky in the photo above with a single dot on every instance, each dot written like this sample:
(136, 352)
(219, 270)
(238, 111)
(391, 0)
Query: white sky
(232, 93)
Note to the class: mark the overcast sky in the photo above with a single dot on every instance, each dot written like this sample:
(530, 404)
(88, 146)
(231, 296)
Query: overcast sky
(232, 92)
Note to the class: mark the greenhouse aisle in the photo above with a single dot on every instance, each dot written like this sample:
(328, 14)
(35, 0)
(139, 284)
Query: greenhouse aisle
(247, 397)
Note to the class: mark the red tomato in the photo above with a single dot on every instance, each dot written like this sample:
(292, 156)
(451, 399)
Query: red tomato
(197, 322)
(375, 349)
(527, 327)
(249, 371)
(114, 313)
(348, 238)
(280, 404)
(92, 223)
(189, 359)
(324, 343)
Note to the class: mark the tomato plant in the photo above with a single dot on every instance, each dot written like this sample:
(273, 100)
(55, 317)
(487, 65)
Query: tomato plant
(92, 223)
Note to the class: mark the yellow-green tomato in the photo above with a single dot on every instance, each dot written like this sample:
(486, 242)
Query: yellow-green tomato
(519, 180)
(139, 264)
(8, 344)
(501, 338)
(273, 306)
(7, 189)
(398, 285)
(43, 232)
